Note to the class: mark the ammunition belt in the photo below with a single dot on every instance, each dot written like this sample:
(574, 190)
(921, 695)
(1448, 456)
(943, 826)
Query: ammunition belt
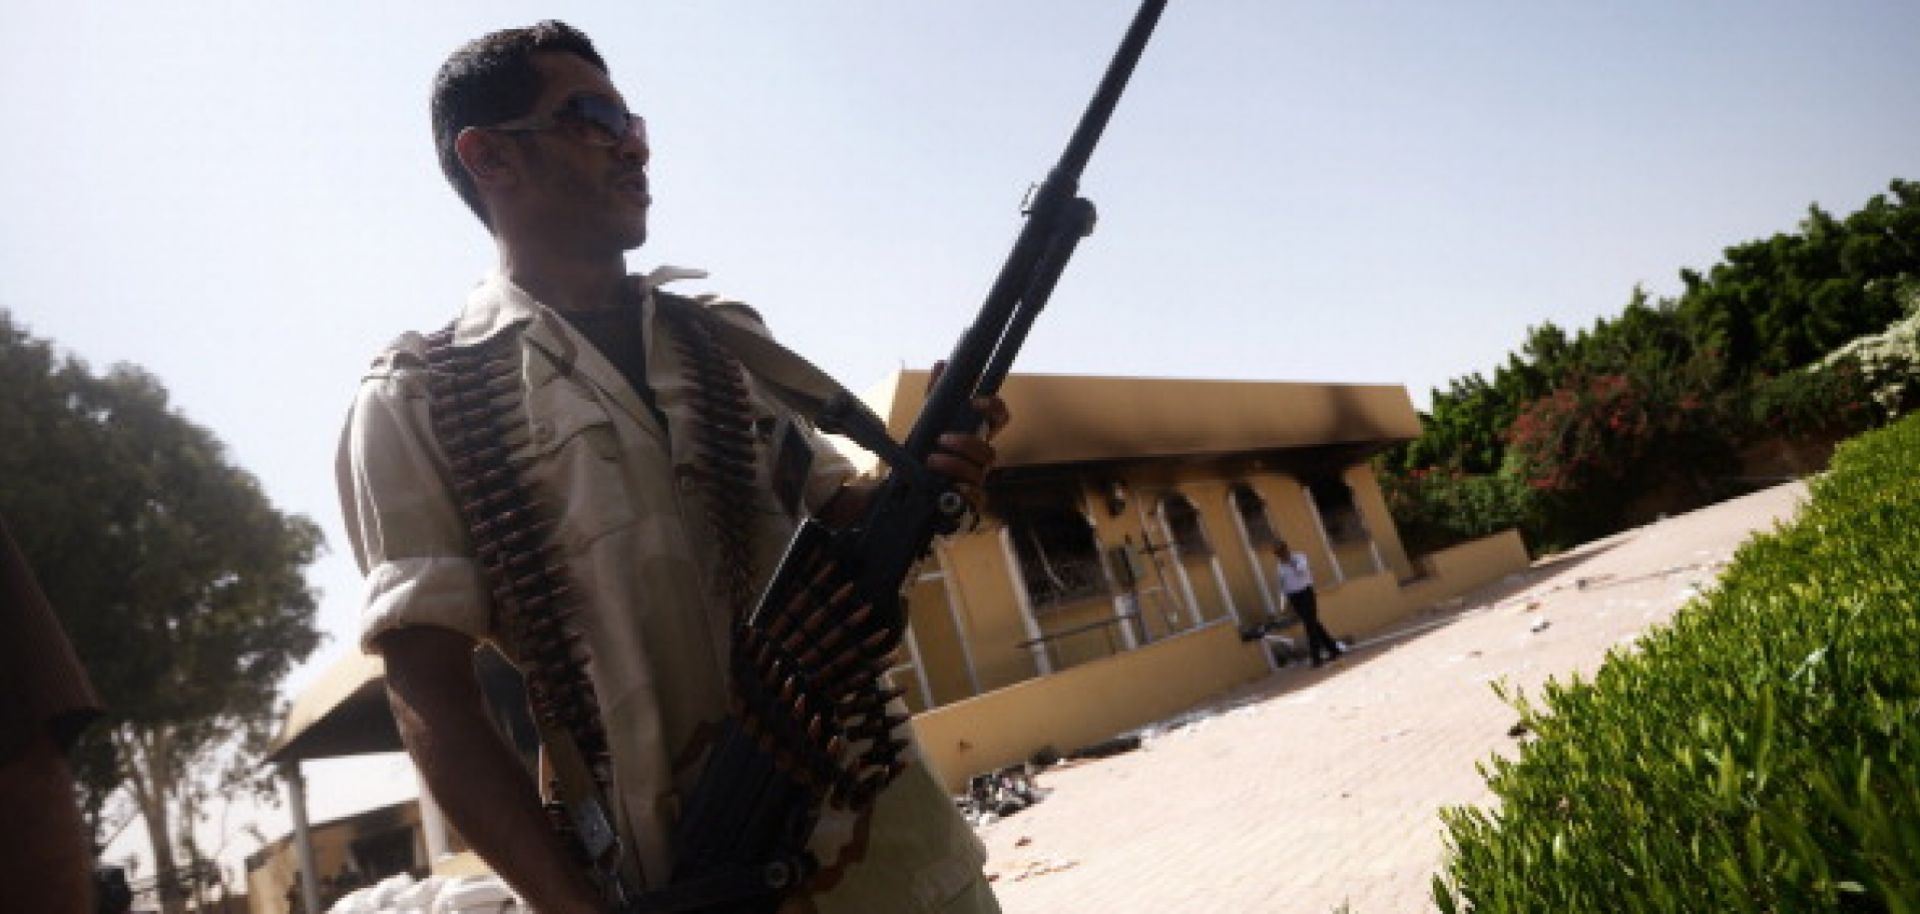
(808, 729)
(474, 394)
(723, 442)
(808, 725)
(806, 671)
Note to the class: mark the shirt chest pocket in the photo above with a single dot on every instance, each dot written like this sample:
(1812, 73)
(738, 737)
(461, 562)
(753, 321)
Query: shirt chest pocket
(786, 462)
(576, 462)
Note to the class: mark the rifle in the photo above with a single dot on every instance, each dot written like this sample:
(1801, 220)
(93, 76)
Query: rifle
(810, 724)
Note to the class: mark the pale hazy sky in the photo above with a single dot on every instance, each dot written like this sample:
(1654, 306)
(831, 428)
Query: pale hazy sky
(242, 197)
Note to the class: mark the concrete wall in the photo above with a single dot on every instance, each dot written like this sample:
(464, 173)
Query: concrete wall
(1373, 510)
(1098, 699)
(1362, 605)
(989, 607)
(1084, 705)
(1458, 569)
(1235, 583)
(273, 870)
(942, 652)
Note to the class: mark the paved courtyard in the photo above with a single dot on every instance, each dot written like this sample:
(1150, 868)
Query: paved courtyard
(1314, 789)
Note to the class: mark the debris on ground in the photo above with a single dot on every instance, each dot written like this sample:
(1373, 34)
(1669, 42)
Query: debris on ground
(1125, 742)
(996, 795)
(1040, 866)
(1283, 649)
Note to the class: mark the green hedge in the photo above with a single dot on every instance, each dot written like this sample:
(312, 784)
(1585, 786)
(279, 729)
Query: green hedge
(1761, 753)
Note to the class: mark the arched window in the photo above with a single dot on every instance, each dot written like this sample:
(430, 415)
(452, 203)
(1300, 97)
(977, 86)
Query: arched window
(1059, 560)
(1253, 514)
(1338, 512)
(1183, 524)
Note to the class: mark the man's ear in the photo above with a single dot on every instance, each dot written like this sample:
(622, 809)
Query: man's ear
(486, 157)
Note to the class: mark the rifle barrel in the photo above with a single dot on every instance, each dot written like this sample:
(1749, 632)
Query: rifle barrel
(1019, 291)
(1107, 96)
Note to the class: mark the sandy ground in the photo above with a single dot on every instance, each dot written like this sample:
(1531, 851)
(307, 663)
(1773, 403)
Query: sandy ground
(1314, 789)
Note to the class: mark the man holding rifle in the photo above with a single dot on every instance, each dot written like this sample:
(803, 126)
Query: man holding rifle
(651, 473)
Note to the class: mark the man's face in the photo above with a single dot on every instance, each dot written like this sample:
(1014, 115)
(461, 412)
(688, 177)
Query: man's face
(578, 193)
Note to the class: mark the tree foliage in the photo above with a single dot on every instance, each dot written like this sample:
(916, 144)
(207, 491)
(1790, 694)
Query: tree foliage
(179, 583)
(1661, 398)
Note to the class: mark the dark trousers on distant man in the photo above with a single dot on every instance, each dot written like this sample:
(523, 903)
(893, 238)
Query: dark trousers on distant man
(1320, 645)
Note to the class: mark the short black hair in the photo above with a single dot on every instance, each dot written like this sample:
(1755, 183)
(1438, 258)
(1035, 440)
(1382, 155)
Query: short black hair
(490, 80)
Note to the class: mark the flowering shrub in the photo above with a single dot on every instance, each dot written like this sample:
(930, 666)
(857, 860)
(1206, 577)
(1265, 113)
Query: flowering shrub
(1888, 363)
(1594, 430)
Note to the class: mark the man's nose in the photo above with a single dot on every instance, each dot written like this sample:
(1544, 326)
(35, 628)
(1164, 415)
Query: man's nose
(634, 147)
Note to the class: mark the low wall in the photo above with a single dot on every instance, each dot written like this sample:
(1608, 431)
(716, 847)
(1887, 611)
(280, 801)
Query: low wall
(1458, 569)
(1363, 606)
(1360, 606)
(1084, 704)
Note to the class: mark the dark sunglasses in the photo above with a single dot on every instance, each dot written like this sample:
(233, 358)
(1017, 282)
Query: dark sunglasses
(589, 117)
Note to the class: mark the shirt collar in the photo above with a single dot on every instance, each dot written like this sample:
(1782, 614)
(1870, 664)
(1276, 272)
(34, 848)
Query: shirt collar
(493, 306)
(497, 303)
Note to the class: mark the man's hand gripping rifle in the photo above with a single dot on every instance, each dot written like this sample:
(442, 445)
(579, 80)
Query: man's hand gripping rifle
(810, 725)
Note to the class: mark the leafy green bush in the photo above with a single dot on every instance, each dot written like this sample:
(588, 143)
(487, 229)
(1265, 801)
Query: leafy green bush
(1762, 753)
(1835, 396)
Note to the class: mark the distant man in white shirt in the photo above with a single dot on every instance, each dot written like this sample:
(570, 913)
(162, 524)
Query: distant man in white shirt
(1297, 580)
